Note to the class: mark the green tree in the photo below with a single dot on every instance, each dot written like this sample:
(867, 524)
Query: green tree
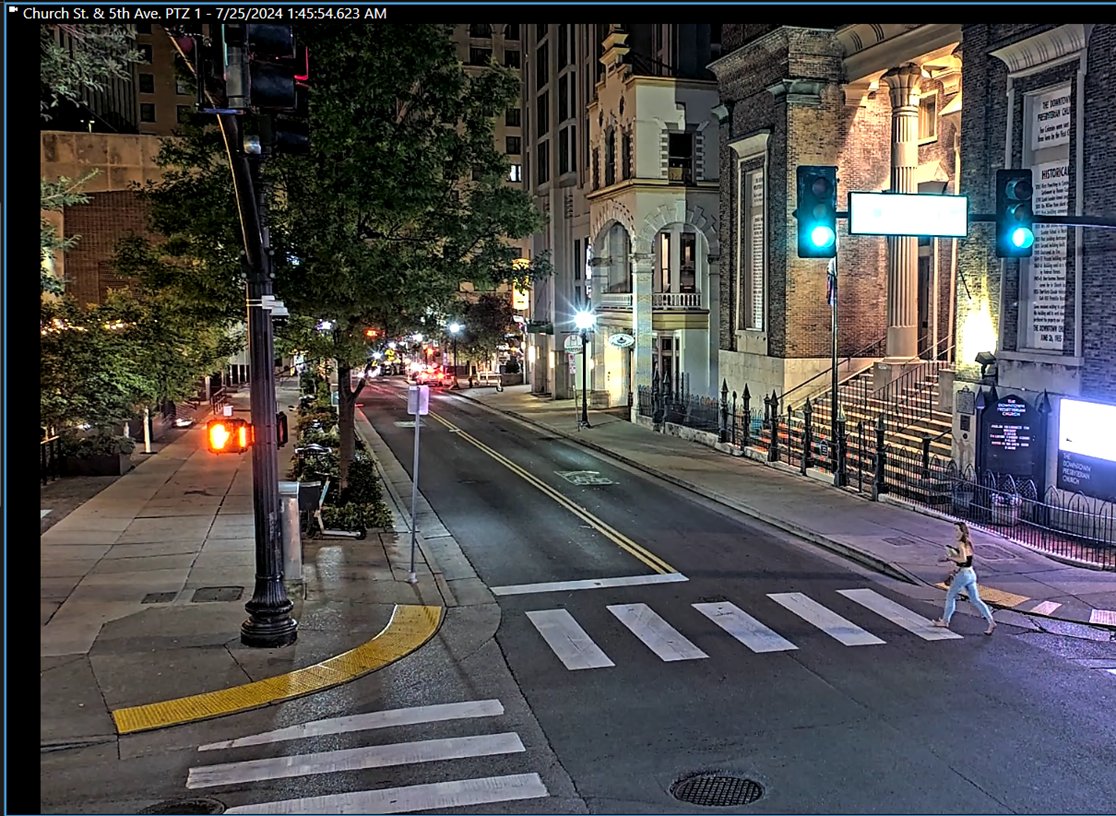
(74, 60)
(488, 321)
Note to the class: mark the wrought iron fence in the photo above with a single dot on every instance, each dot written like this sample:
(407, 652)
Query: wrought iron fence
(50, 458)
(1058, 523)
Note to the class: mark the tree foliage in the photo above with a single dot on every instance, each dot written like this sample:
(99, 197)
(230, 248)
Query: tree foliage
(488, 321)
(96, 54)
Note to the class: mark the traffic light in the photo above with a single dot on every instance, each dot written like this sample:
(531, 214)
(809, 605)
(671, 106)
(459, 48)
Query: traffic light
(1015, 219)
(282, 433)
(817, 212)
(271, 66)
(228, 435)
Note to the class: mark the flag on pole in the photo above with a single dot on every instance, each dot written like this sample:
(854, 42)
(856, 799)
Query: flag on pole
(831, 282)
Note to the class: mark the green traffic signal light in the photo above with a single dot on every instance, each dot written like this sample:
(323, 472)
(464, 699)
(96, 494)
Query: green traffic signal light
(817, 211)
(1015, 232)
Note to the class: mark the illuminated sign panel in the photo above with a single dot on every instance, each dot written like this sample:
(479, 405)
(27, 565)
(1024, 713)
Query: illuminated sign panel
(1087, 448)
(943, 216)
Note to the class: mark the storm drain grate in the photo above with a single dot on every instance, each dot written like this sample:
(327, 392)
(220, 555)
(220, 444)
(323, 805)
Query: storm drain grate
(186, 807)
(716, 790)
(159, 597)
(225, 593)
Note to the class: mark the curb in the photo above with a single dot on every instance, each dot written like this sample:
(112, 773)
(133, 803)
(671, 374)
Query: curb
(853, 554)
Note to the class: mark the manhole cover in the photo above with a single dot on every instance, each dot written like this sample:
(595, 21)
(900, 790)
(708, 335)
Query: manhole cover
(716, 790)
(186, 807)
(899, 542)
(227, 593)
(159, 597)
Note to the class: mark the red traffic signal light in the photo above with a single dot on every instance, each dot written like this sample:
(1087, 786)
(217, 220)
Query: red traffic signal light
(228, 435)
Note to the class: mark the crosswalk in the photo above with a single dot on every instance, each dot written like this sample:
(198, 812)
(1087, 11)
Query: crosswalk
(576, 649)
(287, 761)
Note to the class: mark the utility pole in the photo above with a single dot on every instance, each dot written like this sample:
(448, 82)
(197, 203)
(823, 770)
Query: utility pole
(269, 624)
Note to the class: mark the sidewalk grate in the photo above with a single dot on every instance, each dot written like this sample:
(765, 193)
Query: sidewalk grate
(227, 593)
(159, 597)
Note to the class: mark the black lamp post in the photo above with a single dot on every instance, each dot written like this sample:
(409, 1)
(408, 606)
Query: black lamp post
(585, 322)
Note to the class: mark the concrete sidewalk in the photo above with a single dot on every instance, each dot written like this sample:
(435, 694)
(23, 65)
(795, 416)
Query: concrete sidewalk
(884, 536)
(143, 589)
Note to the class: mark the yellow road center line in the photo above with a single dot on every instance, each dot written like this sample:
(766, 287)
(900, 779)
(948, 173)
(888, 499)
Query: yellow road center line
(622, 541)
(410, 626)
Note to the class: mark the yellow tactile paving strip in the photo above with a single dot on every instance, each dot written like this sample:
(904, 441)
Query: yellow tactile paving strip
(411, 626)
(996, 597)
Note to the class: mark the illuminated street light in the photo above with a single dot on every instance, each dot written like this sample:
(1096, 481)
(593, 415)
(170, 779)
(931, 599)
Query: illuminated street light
(585, 321)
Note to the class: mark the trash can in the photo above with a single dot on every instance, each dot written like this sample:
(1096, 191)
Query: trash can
(289, 524)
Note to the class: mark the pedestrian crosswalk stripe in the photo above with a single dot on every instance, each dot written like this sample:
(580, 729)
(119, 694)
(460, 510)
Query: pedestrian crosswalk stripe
(744, 627)
(658, 635)
(353, 759)
(568, 640)
(436, 796)
(828, 621)
(364, 722)
(898, 614)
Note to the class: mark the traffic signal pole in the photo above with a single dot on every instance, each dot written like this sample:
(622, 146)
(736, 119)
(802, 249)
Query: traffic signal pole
(269, 624)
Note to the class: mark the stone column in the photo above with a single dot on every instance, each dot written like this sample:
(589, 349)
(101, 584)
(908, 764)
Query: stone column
(642, 264)
(902, 261)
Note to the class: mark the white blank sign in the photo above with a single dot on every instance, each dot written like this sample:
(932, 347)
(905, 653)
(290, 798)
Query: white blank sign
(943, 216)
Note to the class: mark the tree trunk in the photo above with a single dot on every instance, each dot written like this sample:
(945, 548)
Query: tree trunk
(346, 407)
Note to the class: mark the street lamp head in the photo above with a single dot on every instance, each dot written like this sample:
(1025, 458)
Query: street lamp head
(585, 320)
(454, 327)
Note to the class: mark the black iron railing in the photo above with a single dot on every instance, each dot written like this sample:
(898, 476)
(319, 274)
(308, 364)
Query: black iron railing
(1068, 525)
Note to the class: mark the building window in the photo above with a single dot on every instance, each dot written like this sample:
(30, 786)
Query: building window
(687, 262)
(610, 157)
(563, 98)
(182, 86)
(147, 112)
(515, 172)
(540, 30)
(928, 118)
(577, 262)
(596, 168)
(480, 30)
(567, 149)
(512, 145)
(563, 46)
(147, 83)
(664, 262)
(542, 62)
(542, 162)
(680, 158)
(626, 155)
(511, 59)
(184, 113)
(752, 229)
(511, 31)
(542, 109)
(512, 117)
(144, 53)
(480, 56)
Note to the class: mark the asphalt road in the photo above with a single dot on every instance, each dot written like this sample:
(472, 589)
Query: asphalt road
(642, 687)
(599, 700)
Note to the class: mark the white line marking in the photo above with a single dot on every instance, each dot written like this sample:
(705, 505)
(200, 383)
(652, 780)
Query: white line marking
(744, 627)
(898, 614)
(44, 513)
(567, 640)
(658, 635)
(1103, 616)
(437, 797)
(364, 722)
(828, 621)
(1046, 608)
(589, 583)
(353, 759)
(1111, 671)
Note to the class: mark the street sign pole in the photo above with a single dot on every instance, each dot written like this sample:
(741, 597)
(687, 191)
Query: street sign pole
(418, 406)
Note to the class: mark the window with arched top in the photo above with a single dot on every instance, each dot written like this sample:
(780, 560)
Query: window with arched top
(511, 31)
(610, 156)
(480, 30)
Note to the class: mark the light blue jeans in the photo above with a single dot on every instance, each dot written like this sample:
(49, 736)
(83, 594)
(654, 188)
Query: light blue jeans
(965, 581)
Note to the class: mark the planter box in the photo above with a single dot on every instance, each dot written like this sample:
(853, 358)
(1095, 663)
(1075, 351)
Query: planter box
(116, 464)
